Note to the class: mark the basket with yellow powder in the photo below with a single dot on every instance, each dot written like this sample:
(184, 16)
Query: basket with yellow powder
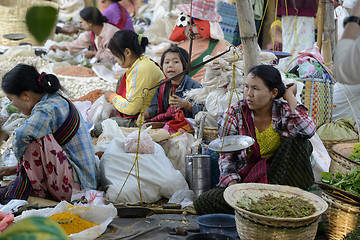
(72, 223)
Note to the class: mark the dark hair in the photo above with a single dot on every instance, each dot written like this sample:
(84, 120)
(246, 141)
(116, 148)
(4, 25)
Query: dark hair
(271, 78)
(183, 54)
(127, 39)
(26, 78)
(93, 15)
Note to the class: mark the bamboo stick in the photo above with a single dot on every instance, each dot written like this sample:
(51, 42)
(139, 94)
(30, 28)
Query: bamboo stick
(248, 34)
(320, 24)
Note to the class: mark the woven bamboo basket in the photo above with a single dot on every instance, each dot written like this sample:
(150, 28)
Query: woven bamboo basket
(340, 218)
(340, 161)
(317, 96)
(210, 133)
(255, 226)
(329, 143)
(12, 19)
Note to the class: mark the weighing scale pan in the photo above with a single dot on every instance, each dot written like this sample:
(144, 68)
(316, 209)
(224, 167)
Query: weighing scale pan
(231, 143)
(14, 36)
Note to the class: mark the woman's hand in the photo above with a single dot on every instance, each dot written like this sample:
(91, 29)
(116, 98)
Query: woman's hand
(107, 95)
(178, 103)
(232, 182)
(7, 171)
(289, 96)
(291, 90)
(89, 54)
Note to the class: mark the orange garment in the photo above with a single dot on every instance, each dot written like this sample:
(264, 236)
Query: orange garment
(200, 44)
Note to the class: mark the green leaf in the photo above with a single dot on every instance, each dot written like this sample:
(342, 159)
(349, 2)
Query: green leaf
(326, 176)
(40, 21)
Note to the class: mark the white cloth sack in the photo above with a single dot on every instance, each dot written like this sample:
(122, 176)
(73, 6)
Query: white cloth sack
(100, 214)
(158, 177)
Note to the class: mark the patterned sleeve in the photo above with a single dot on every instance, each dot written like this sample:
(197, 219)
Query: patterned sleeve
(35, 127)
(228, 126)
(298, 124)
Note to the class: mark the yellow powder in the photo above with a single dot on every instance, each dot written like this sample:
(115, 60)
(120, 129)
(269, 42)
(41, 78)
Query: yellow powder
(72, 223)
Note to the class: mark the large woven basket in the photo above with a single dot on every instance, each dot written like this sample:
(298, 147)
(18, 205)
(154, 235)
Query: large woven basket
(340, 161)
(317, 96)
(329, 143)
(12, 19)
(255, 226)
(340, 218)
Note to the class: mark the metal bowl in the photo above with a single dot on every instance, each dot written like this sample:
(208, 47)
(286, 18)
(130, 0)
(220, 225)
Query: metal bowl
(231, 143)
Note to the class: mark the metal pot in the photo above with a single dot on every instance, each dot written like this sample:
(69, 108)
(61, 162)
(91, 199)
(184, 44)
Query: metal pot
(198, 173)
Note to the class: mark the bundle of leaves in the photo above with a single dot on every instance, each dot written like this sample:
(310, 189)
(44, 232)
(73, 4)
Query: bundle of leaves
(349, 182)
(355, 155)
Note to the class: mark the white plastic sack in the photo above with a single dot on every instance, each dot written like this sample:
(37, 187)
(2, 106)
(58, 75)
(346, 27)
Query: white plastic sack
(110, 130)
(177, 148)
(101, 215)
(218, 101)
(146, 146)
(158, 177)
(100, 110)
(83, 107)
(320, 159)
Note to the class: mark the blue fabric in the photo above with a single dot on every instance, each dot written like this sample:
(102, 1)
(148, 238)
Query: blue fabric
(46, 117)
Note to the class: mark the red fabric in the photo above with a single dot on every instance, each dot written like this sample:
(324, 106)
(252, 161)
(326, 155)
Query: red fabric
(93, 40)
(122, 21)
(122, 92)
(203, 27)
(179, 123)
(256, 167)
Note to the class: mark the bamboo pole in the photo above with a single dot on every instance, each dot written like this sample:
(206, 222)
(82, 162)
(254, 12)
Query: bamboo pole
(329, 25)
(248, 34)
(320, 24)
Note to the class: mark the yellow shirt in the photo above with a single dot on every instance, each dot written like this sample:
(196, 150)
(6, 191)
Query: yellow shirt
(269, 141)
(144, 73)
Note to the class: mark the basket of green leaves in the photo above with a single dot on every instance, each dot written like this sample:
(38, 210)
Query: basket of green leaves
(342, 193)
(266, 211)
(344, 157)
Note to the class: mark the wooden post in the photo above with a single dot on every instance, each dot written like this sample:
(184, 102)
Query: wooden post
(320, 24)
(329, 25)
(248, 34)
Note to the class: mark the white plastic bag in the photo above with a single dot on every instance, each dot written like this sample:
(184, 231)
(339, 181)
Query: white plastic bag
(158, 178)
(147, 145)
(320, 159)
(100, 110)
(102, 215)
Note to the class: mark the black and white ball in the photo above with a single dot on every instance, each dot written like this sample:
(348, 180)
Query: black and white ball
(183, 20)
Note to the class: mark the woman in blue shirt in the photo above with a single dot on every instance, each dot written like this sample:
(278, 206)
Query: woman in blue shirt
(53, 145)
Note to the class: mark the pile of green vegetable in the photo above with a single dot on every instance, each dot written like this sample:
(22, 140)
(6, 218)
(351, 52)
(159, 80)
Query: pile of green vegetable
(281, 207)
(349, 182)
(355, 235)
(355, 155)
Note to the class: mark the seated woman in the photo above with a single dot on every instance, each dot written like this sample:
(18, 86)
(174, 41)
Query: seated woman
(281, 152)
(98, 34)
(169, 97)
(141, 73)
(116, 14)
(53, 145)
